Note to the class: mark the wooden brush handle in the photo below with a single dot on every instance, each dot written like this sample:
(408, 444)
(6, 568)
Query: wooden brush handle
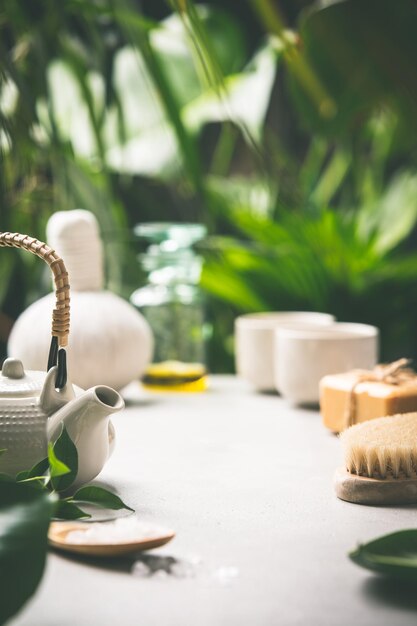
(364, 490)
(61, 313)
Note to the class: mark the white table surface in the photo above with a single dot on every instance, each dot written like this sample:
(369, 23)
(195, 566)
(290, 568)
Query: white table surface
(246, 482)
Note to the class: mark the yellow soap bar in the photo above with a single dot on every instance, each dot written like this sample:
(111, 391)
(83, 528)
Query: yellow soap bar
(372, 399)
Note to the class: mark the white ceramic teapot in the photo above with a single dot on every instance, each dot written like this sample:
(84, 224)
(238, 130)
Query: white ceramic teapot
(32, 412)
(34, 405)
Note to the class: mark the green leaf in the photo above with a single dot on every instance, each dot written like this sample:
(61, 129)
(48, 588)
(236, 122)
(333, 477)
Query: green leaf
(24, 521)
(56, 467)
(392, 218)
(213, 39)
(37, 482)
(22, 476)
(332, 177)
(353, 70)
(40, 469)
(244, 100)
(392, 555)
(100, 497)
(68, 511)
(2, 451)
(65, 451)
(36, 473)
(232, 287)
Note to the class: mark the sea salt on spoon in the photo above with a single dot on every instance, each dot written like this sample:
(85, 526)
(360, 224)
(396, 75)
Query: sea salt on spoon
(120, 537)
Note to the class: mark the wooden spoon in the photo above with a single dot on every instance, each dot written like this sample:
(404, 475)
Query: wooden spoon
(58, 532)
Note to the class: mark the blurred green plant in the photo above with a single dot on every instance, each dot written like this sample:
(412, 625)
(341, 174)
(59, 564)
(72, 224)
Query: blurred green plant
(24, 521)
(299, 157)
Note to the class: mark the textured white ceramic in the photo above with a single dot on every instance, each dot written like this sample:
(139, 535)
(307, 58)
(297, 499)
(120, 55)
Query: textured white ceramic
(32, 412)
(254, 342)
(111, 343)
(304, 356)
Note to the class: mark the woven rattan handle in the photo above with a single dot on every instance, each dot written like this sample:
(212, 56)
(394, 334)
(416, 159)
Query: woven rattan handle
(61, 313)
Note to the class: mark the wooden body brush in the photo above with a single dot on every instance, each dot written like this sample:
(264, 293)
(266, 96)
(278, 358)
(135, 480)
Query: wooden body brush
(380, 461)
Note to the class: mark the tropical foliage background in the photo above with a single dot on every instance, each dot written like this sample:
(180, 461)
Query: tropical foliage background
(287, 127)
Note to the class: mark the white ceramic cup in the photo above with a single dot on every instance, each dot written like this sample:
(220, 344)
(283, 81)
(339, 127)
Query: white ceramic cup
(254, 342)
(304, 356)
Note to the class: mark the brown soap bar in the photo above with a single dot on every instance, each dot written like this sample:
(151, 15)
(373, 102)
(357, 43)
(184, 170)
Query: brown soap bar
(372, 399)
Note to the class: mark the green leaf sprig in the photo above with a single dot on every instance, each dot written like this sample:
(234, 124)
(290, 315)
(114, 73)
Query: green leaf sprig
(393, 555)
(56, 474)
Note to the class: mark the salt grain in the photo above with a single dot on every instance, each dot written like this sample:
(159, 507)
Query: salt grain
(162, 566)
(183, 569)
(140, 570)
(225, 575)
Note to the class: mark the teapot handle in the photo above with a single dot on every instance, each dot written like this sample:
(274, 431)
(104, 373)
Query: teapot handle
(61, 312)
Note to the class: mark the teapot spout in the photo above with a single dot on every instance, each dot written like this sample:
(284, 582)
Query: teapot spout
(87, 421)
(106, 399)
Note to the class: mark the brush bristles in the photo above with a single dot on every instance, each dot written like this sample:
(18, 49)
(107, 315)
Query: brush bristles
(383, 447)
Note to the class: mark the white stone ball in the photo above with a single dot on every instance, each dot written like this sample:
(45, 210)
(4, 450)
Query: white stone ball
(110, 342)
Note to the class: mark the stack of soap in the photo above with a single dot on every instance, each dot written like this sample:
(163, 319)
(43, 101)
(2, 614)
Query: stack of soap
(371, 399)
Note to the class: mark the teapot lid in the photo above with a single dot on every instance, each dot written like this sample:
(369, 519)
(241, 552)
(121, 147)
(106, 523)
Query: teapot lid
(15, 382)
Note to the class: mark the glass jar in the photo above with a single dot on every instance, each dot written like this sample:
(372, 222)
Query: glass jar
(173, 305)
